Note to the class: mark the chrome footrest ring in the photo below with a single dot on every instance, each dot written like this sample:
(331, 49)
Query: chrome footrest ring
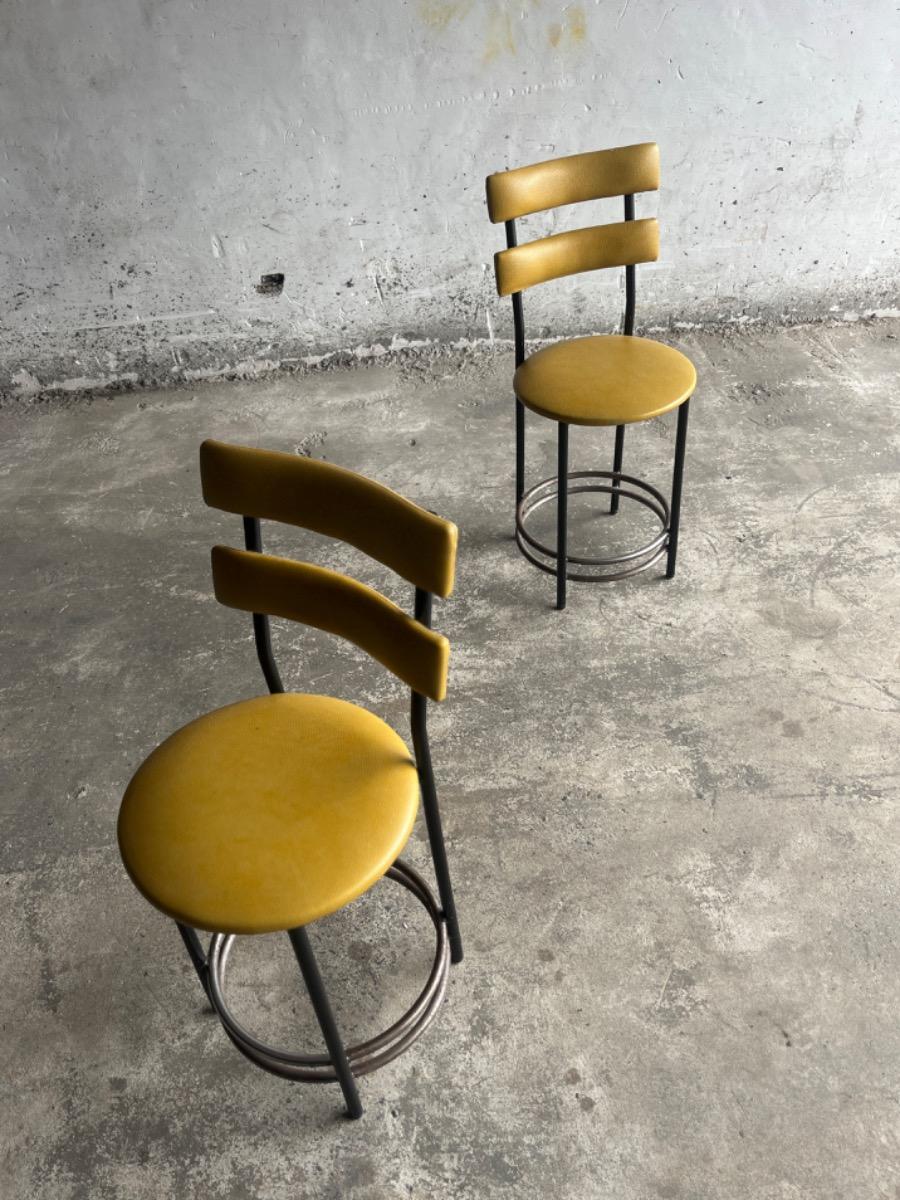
(366, 1056)
(585, 481)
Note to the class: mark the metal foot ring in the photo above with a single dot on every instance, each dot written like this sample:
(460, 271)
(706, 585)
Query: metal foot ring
(640, 559)
(367, 1056)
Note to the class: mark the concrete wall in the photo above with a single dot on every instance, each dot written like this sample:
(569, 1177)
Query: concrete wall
(159, 156)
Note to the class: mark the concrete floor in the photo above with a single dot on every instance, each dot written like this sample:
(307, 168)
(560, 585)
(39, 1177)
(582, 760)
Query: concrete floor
(672, 810)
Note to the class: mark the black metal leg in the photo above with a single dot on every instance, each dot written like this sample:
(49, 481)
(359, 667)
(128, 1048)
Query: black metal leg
(617, 467)
(439, 857)
(324, 1015)
(197, 954)
(562, 498)
(433, 823)
(680, 443)
(419, 726)
(520, 451)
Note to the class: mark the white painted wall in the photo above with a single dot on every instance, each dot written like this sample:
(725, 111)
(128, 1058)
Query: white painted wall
(160, 155)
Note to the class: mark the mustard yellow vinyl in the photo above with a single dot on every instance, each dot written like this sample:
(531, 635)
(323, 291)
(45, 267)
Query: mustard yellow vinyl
(280, 587)
(620, 244)
(268, 814)
(619, 172)
(334, 501)
(612, 380)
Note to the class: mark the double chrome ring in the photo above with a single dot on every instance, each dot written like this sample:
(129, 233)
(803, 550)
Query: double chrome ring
(637, 560)
(368, 1055)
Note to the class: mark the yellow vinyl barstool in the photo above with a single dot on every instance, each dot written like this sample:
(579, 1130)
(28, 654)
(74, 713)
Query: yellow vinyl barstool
(270, 813)
(601, 380)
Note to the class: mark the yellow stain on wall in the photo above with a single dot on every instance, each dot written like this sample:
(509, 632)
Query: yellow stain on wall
(500, 39)
(577, 23)
(572, 32)
(438, 14)
(501, 20)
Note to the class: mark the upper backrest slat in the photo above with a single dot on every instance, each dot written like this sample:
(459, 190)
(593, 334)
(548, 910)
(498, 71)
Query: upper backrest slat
(593, 176)
(280, 587)
(334, 501)
(618, 245)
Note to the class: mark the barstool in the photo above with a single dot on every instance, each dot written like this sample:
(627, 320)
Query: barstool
(602, 380)
(271, 813)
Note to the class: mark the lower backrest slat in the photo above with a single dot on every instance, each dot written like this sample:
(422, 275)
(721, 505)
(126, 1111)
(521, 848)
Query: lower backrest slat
(621, 244)
(281, 587)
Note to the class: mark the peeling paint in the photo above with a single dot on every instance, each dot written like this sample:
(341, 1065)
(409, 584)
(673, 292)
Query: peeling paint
(221, 363)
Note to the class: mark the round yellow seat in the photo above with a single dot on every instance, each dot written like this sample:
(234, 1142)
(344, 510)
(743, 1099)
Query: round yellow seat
(269, 813)
(612, 380)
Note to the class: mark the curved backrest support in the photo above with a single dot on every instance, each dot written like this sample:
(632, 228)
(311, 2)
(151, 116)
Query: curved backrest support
(280, 587)
(339, 503)
(594, 176)
(618, 245)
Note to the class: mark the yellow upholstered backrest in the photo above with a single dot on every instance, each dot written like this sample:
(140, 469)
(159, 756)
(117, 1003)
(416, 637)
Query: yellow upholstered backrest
(620, 172)
(330, 500)
(602, 173)
(618, 245)
(339, 503)
(280, 587)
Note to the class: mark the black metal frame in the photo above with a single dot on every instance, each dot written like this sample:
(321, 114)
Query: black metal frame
(342, 1063)
(556, 560)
